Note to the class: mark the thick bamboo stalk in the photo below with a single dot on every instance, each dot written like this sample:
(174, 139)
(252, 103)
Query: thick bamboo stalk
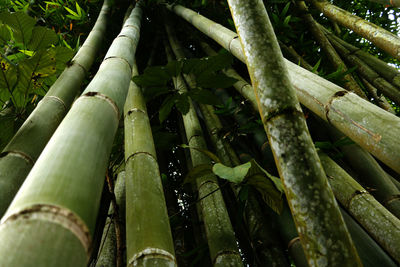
(148, 233)
(368, 125)
(323, 233)
(390, 73)
(384, 86)
(264, 240)
(22, 151)
(108, 245)
(329, 50)
(220, 235)
(58, 203)
(383, 226)
(377, 35)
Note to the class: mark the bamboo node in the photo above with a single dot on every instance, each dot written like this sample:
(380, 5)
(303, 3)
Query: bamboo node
(57, 215)
(104, 97)
(19, 154)
(59, 100)
(391, 199)
(356, 193)
(291, 242)
(224, 253)
(152, 253)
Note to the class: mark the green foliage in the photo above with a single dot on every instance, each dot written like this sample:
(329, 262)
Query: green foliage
(247, 174)
(155, 82)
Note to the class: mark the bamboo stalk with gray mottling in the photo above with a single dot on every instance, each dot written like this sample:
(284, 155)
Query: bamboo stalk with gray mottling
(390, 73)
(264, 240)
(382, 225)
(18, 157)
(148, 233)
(323, 233)
(368, 125)
(377, 35)
(58, 203)
(219, 232)
(384, 86)
(108, 248)
(329, 50)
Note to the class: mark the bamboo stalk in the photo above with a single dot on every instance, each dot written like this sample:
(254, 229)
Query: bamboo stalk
(370, 252)
(390, 73)
(58, 203)
(220, 235)
(264, 240)
(323, 233)
(377, 35)
(392, 3)
(330, 52)
(383, 226)
(108, 249)
(148, 234)
(389, 90)
(368, 125)
(18, 157)
(289, 50)
(380, 100)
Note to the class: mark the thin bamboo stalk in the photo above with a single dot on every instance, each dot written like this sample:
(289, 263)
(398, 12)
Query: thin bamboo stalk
(329, 50)
(380, 100)
(323, 233)
(148, 234)
(289, 50)
(377, 35)
(220, 235)
(383, 226)
(264, 240)
(108, 249)
(368, 125)
(390, 73)
(18, 157)
(58, 203)
(384, 86)
(393, 3)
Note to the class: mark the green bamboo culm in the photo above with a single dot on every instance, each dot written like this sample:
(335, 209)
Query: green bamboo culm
(58, 203)
(219, 231)
(383, 39)
(321, 228)
(18, 157)
(372, 128)
(148, 233)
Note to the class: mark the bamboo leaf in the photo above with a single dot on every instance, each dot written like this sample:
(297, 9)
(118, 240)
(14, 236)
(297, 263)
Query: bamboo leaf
(198, 171)
(21, 24)
(235, 175)
(204, 97)
(256, 169)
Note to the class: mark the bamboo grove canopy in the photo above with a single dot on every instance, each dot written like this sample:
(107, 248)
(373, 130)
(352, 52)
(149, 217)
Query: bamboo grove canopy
(200, 133)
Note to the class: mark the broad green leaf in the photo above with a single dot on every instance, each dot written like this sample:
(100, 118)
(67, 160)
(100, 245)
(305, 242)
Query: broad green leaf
(34, 70)
(21, 25)
(270, 195)
(182, 103)
(204, 96)
(324, 145)
(5, 34)
(218, 80)
(235, 175)
(244, 193)
(164, 140)
(63, 55)
(166, 107)
(150, 93)
(256, 169)
(190, 65)
(198, 171)
(209, 154)
(8, 75)
(343, 142)
(153, 76)
(174, 68)
(42, 38)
